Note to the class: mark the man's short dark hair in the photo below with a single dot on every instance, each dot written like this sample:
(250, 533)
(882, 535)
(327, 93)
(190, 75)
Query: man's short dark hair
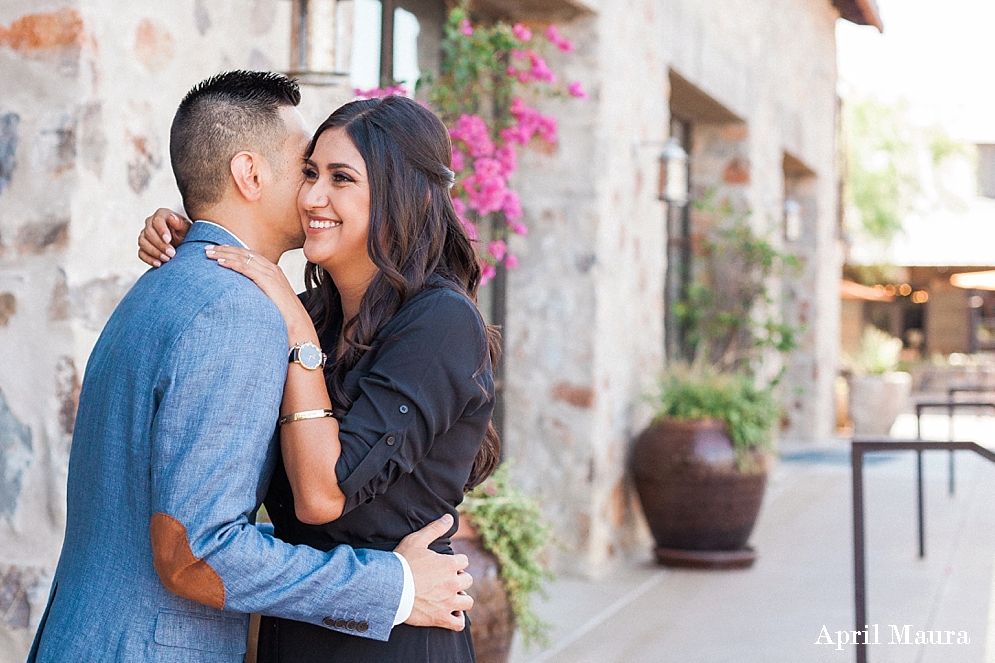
(220, 117)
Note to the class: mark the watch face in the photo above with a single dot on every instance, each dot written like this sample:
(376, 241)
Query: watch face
(309, 356)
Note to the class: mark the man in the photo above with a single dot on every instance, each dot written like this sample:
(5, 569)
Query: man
(173, 447)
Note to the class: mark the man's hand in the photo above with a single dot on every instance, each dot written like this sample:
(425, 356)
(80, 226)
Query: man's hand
(440, 582)
(163, 231)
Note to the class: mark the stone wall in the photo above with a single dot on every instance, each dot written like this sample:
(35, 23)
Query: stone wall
(89, 88)
(584, 333)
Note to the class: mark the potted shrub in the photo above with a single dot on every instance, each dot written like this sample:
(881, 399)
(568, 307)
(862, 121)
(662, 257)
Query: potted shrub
(700, 468)
(878, 390)
(502, 533)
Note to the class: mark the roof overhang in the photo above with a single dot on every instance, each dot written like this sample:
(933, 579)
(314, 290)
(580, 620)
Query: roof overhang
(974, 280)
(861, 12)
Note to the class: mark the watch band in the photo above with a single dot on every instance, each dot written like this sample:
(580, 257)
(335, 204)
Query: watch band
(306, 414)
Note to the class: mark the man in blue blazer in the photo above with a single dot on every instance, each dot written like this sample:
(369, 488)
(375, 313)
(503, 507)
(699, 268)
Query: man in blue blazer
(174, 442)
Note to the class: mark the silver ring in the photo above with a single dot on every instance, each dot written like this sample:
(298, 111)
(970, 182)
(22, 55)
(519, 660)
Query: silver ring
(249, 259)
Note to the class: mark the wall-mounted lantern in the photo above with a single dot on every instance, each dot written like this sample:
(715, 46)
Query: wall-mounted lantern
(792, 220)
(674, 174)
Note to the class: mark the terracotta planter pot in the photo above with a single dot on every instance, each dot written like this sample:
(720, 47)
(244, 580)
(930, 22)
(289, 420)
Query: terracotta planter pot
(493, 622)
(700, 507)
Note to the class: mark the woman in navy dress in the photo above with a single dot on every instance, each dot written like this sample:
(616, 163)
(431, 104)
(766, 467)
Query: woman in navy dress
(398, 427)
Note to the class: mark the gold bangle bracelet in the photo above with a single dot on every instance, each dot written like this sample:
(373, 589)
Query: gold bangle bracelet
(306, 414)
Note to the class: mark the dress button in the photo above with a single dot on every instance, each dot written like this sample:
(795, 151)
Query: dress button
(362, 627)
(391, 441)
(328, 621)
(340, 623)
(403, 409)
(351, 625)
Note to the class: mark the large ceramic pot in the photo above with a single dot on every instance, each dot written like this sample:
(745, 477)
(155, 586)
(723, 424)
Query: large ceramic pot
(493, 622)
(876, 401)
(700, 506)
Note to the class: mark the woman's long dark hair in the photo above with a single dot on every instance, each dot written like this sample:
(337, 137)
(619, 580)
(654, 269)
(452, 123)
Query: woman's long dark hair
(414, 233)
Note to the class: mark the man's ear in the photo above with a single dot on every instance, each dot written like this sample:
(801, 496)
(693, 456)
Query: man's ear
(246, 170)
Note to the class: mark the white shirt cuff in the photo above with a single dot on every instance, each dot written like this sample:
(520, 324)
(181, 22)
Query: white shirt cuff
(407, 594)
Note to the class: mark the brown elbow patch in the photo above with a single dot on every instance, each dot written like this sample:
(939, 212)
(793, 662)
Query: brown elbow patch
(181, 572)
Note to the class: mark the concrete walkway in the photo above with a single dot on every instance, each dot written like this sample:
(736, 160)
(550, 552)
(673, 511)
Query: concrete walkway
(803, 579)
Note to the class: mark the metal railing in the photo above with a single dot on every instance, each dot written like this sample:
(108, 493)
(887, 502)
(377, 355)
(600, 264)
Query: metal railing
(951, 405)
(859, 447)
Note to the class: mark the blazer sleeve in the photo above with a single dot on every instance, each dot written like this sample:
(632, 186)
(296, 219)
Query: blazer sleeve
(431, 368)
(213, 450)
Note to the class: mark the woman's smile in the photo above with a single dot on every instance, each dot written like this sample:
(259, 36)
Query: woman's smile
(317, 224)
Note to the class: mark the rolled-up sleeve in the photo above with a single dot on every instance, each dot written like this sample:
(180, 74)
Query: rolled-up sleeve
(430, 367)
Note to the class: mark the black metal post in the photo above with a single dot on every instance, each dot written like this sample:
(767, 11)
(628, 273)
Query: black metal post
(950, 436)
(387, 42)
(922, 526)
(499, 315)
(858, 448)
(859, 579)
(919, 490)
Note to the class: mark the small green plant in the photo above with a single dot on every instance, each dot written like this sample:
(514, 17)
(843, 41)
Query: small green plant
(878, 353)
(749, 412)
(511, 527)
(728, 314)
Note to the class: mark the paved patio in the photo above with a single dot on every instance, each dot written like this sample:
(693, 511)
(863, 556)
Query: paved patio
(803, 579)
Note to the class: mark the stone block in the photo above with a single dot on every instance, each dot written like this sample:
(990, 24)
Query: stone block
(67, 390)
(15, 457)
(8, 307)
(40, 237)
(16, 585)
(9, 124)
(41, 34)
(55, 147)
(153, 45)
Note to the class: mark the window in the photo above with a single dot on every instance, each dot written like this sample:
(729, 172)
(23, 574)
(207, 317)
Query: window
(352, 38)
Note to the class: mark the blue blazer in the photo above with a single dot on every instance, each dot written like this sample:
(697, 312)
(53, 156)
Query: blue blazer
(172, 454)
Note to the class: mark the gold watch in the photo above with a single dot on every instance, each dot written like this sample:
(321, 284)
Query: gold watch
(308, 355)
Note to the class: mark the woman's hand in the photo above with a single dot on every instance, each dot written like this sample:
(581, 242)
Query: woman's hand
(272, 281)
(163, 232)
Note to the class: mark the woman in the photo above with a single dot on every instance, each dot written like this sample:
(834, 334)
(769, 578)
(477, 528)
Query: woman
(403, 427)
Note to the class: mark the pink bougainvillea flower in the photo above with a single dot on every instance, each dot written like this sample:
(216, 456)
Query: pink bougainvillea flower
(519, 54)
(558, 40)
(469, 226)
(465, 28)
(511, 71)
(522, 32)
(577, 90)
(378, 92)
(457, 160)
(507, 157)
(487, 272)
(472, 130)
(486, 187)
(471, 229)
(512, 208)
(518, 228)
(511, 261)
(547, 129)
(497, 248)
(539, 70)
